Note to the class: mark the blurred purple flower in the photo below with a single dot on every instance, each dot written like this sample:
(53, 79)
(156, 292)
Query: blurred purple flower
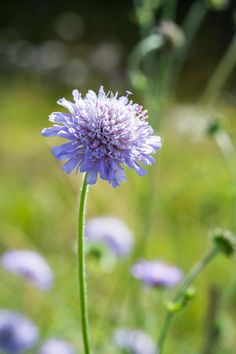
(104, 133)
(156, 273)
(56, 346)
(111, 232)
(134, 342)
(29, 265)
(17, 333)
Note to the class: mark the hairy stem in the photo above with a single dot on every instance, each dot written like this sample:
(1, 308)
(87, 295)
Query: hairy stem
(81, 266)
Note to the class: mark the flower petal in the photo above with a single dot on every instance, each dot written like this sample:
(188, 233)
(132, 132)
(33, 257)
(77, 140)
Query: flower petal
(67, 104)
(51, 131)
(61, 152)
(76, 95)
(91, 96)
(92, 177)
(58, 117)
(70, 165)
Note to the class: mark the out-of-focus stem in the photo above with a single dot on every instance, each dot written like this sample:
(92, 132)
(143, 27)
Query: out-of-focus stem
(197, 268)
(169, 9)
(221, 73)
(191, 26)
(211, 330)
(145, 14)
(228, 153)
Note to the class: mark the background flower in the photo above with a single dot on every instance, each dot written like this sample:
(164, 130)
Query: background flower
(104, 133)
(56, 346)
(17, 333)
(111, 232)
(156, 273)
(134, 342)
(30, 265)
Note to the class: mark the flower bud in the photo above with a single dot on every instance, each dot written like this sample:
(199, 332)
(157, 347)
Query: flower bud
(174, 307)
(190, 293)
(172, 33)
(213, 127)
(224, 240)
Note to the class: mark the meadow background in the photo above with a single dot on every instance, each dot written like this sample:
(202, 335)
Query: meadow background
(48, 48)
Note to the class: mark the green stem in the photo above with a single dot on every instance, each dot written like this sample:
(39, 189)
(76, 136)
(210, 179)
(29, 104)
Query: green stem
(191, 26)
(169, 10)
(221, 74)
(197, 268)
(228, 153)
(81, 266)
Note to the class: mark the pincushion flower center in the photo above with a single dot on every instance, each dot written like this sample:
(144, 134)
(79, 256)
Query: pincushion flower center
(106, 139)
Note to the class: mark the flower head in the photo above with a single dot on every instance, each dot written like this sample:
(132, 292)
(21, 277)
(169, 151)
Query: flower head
(111, 232)
(104, 133)
(30, 265)
(134, 342)
(156, 273)
(56, 346)
(17, 333)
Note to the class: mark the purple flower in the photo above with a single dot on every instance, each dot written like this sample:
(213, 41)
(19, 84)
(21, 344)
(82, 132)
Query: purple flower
(17, 333)
(111, 232)
(29, 265)
(156, 273)
(134, 342)
(56, 346)
(104, 133)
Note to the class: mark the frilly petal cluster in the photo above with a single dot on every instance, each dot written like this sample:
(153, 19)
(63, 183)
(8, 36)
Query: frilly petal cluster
(111, 232)
(134, 341)
(104, 132)
(156, 273)
(30, 265)
(56, 346)
(17, 333)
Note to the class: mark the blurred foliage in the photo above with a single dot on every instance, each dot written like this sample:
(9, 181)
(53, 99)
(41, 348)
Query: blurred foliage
(190, 194)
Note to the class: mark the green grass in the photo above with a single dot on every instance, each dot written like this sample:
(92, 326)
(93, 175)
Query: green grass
(170, 211)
